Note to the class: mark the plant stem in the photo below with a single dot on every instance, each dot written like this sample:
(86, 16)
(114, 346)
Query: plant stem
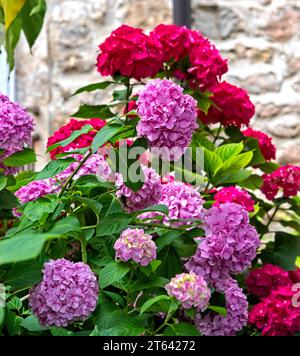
(69, 180)
(127, 98)
(24, 298)
(217, 135)
(272, 216)
(83, 249)
(162, 325)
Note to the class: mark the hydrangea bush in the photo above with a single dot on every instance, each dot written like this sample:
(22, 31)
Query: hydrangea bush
(162, 212)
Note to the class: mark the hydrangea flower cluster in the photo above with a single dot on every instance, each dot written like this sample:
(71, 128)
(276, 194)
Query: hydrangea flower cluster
(286, 178)
(68, 292)
(265, 143)
(230, 244)
(134, 244)
(295, 275)
(234, 195)
(16, 128)
(261, 281)
(82, 141)
(233, 107)
(96, 164)
(148, 195)
(33, 191)
(130, 52)
(191, 290)
(168, 118)
(276, 315)
(206, 64)
(237, 313)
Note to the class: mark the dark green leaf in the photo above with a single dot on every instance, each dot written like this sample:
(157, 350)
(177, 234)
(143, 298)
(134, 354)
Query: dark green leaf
(253, 182)
(152, 301)
(93, 87)
(13, 323)
(182, 329)
(97, 111)
(112, 273)
(104, 135)
(8, 200)
(54, 167)
(3, 181)
(36, 209)
(12, 37)
(21, 158)
(31, 323)
(120, 95)
(113, 224)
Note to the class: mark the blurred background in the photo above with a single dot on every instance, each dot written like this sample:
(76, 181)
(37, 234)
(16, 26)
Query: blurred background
(260, 38)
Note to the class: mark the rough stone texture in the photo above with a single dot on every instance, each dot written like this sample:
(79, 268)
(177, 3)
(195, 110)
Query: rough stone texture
(260, 38)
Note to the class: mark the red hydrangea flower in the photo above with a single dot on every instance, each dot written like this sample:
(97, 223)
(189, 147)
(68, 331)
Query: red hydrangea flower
(286, 178)
(207, 65)
(175, 41)
(130, 52)
(234, 195)
(234, 107)
(82, 141)
(276, 315)
(265, 143)
(261, 281)
(295, 275)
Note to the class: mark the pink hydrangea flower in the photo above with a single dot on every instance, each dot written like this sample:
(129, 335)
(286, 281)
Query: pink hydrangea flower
(168, 118)
(286, 178)
(261, 281)
(213, 324)
(134, 244)
(265, 143)
(233, 107)
(191, 290)
(230, 244)
(234, 195)
(148, 195)
(68, 292)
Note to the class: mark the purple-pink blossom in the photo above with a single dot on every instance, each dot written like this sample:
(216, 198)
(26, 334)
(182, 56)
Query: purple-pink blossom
(68, 292)
(148, 195)
(135, 245)
(230, 244)
(168, 118)
(213, 324)
(191, 290)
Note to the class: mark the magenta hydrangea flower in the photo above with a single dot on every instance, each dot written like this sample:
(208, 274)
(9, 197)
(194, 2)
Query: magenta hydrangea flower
(191, 290)
(68, 292)
(134, 244)
(33, 191)
(96, 164)
(16, 126)
(148, 195)
(213, 324)
(235, 195)
(230, 244)
(168, 118)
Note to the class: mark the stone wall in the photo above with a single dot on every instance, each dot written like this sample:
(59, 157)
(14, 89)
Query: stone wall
(261, 39)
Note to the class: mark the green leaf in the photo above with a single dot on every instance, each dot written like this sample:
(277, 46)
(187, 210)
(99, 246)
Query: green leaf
(220, 310)
(253, 182)
(2, 316)
(92, 204)
(200, 140)
(13, 323)
(161, 208)
(120, 95)
(32, 323)
(93, 87)
(225, 152)
(235, 163)
(154, 282)
(96, 111)
(286, 250)
(113, 224)
(251, 144)
(12, 37)
(167, 239)
(182, 329)
(23, 178)
(268, 167)
(3, 181)
(8, 200)
(21, 158)
(105, 134)
(114, 207)
(232, 177)
(61, 332)
(65, 225)
(54, 167)
(212, 162)
(35, 210)
(234, 133)
(152, 301)
(32, 15)
(75, 134)
(117, 298)
(22, 275)
(14, 304)
(112, 273)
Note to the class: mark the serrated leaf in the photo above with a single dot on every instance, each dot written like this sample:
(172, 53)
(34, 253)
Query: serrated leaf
(112, 273)
(113, 224)
(229, 151)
